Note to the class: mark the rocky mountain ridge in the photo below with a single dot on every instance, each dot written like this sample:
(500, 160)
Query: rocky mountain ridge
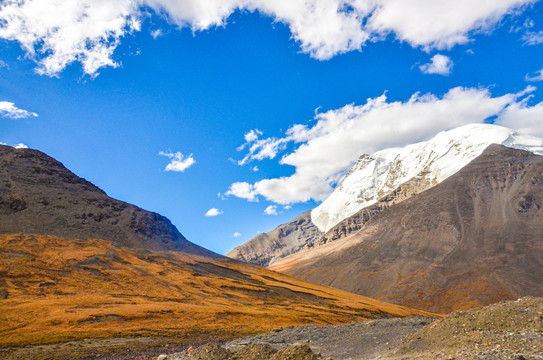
(379, 181)
(264, 249)
(473, 239)
(38, 195)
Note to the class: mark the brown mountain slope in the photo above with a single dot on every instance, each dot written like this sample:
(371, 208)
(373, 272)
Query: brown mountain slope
(300, 234)
(357, 221)
(55, 290)
(38, 195)
(474, 239)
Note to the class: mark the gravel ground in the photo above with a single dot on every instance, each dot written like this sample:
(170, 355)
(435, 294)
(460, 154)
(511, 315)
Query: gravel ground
(510, 330)
(360, 340)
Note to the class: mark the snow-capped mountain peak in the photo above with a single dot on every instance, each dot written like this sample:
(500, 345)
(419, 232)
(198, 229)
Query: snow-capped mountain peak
(430, 162)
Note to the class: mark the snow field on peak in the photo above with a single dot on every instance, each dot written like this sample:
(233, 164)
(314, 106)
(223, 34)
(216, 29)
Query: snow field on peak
(374, 176)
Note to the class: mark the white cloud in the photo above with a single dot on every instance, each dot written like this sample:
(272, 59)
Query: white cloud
(440, 64)
(271, 210)
(533, 38)
(213, 212)
(16, 146)
(156, 33)
(3, 64)
(242, 190)
(255, 168)
(259, 149)
(252, 135)
(178, 163)
(328, 149)
(523, 118)
(57, 33)
(538, 76)
(439, 24)
(9, 110)
(236, 234)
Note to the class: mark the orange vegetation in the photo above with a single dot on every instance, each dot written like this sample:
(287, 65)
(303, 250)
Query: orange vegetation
(55, 290)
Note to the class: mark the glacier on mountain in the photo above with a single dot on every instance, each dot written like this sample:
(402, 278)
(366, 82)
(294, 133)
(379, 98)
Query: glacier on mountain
(375, 176)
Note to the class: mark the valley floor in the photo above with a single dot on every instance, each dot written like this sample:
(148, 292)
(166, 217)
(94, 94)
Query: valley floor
(510, 330)
(507, 330)
(358, 340)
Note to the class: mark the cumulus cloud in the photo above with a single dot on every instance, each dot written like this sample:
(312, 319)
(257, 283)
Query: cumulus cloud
(242, 190)
(252, 135)
(326, 150)
(213, 212)
(271, 210)
(178, 161)
(58, 33)
(538, 76)
(9, 110)
(439, 24)
(439, 64)
(236, 234)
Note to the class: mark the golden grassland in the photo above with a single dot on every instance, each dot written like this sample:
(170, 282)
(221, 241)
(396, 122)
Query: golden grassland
(55, 290)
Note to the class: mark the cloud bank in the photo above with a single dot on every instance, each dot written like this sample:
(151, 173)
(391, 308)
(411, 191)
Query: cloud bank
(9, 110)
(178, 161)
(326, 150)
(57, 33)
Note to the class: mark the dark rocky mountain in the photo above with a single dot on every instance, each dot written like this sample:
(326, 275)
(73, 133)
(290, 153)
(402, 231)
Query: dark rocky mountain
(264, 249)
(38, 195)
(471, 240)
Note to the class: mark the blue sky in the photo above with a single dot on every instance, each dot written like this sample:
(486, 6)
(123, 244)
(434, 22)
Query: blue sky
(317, 87)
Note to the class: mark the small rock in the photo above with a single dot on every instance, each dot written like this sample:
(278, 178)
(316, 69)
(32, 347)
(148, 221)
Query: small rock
(162, 357)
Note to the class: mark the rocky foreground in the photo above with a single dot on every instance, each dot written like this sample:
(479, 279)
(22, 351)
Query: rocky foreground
(507, 330)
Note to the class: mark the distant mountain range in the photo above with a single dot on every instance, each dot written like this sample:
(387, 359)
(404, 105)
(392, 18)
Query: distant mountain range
(438, 225)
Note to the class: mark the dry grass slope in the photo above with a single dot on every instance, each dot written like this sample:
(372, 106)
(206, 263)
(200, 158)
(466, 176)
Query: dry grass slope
(56, 290)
